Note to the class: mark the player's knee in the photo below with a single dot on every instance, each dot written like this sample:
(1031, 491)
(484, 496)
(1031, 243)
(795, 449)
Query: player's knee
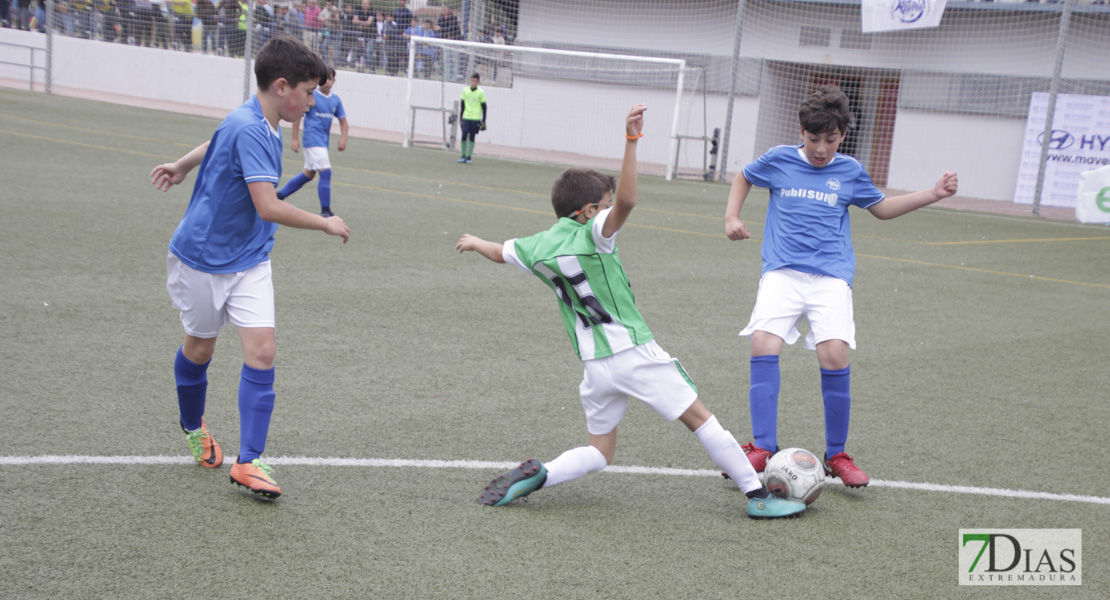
(309, 174)
(261, 354)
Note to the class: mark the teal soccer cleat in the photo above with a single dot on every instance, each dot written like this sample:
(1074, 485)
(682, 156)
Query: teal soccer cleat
(773, 507)
(517, 483)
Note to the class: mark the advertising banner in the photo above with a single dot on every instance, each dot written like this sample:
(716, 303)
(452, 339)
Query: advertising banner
(896, 15)
(1079, 141)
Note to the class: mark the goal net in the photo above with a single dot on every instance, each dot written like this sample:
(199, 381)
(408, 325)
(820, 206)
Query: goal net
(970, 93)
(555, 105)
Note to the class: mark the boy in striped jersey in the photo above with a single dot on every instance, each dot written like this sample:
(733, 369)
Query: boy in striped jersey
(577, 258)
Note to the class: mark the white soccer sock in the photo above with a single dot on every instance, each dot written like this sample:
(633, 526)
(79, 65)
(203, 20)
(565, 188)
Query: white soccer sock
(726, 452)
(573, 464)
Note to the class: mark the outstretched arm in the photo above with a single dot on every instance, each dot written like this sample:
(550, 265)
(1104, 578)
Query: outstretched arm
(626, 185)
(167, 175)
(490, 250)
(735, 229)
(897, 206)
(275, 211)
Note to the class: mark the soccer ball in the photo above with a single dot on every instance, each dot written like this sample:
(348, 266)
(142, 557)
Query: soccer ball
(796, 474)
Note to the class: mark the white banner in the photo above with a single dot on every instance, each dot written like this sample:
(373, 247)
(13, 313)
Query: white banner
(1093, 203)
(895, 15)
(1079, 141)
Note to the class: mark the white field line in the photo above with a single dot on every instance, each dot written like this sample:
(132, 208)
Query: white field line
(500, 466)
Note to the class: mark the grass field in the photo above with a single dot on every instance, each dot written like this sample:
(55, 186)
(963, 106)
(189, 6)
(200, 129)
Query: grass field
(409, 375)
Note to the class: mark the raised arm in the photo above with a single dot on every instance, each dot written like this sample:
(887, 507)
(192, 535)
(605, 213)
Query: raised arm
(275, 211)
(167, 175)
(947, 185)
(626, 185)
(735, 229)
(490, 250)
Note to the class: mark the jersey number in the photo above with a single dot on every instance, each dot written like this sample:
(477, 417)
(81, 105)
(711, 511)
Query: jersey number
(597, 315)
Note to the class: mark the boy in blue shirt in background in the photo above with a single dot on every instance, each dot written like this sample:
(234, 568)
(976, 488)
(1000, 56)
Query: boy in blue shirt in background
(218, 267)
(808, 266)
(317, 133)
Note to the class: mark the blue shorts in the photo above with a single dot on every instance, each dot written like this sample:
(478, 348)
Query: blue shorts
(470, 127)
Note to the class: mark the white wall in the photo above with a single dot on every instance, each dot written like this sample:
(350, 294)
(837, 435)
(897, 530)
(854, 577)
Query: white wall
(984, 150)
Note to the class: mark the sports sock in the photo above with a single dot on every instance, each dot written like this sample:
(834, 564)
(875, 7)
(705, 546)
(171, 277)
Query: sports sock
(256, 404)
(293, 185)
(325, 189)
(574, 463)
(192, 389)
(727, 454)
(763, 400)
(838, 408)
(470, 151)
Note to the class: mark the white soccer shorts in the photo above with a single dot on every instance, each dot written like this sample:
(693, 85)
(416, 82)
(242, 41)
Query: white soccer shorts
(645, 372)
(208, 301)
(786, 295)
(316, 158)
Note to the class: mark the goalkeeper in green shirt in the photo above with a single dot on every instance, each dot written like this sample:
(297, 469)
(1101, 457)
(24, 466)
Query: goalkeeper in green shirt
(473, 116)
(577, 259)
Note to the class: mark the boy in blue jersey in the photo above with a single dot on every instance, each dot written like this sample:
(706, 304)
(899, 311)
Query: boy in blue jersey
(808, 265)
(317, 132)
(577, 259)
(218, 267)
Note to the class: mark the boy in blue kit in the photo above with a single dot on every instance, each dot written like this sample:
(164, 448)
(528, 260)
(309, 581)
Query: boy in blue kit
(317, 132)
(808, 265)
(577, 259)
(218, 267)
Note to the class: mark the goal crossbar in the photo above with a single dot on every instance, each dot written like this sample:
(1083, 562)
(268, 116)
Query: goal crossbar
(678, 64)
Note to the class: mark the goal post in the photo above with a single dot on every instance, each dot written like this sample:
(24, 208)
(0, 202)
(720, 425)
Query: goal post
(559, 101)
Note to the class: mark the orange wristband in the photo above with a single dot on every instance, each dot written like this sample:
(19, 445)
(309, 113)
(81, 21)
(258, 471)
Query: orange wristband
(633, 138)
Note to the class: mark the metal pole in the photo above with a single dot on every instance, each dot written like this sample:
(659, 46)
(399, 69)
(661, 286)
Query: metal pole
(247, 53)
(733, 79)
(48, 79)
(410, 118)
(672, 164)
(1046, 137)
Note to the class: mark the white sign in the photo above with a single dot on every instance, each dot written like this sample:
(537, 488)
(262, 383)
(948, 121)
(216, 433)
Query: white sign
(1024, 557)
(1079, 141)
(1093, 203)
(895, 15)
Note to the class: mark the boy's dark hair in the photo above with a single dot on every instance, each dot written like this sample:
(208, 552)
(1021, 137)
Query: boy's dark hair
(476, 76)
(576, 188)
(825, 111)
(331, 73)
(287, 57)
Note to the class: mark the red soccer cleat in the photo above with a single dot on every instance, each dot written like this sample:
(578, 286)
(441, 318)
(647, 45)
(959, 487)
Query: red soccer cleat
(841, 465)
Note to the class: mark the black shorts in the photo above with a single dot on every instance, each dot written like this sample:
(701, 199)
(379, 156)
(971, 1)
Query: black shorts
(471, 127)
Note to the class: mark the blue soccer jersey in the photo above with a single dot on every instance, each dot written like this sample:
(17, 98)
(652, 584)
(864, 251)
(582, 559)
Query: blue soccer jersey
(807, 227)
(221, 231)
(317, 121)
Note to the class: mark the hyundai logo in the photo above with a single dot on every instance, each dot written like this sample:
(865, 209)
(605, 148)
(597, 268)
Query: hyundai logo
(1060, 140)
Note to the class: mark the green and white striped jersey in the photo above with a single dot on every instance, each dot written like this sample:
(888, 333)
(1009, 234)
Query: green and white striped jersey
(583, 269)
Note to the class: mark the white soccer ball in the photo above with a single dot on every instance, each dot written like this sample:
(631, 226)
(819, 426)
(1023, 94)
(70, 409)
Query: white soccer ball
(796, 474)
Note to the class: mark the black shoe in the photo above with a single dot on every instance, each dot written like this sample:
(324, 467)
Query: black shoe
(327, 213)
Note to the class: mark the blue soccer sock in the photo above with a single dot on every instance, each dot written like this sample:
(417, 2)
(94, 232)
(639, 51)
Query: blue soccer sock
(763, 400)
(325, 189)
(256, 404)
(838, 408)
(294, 184)
(192, 389)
